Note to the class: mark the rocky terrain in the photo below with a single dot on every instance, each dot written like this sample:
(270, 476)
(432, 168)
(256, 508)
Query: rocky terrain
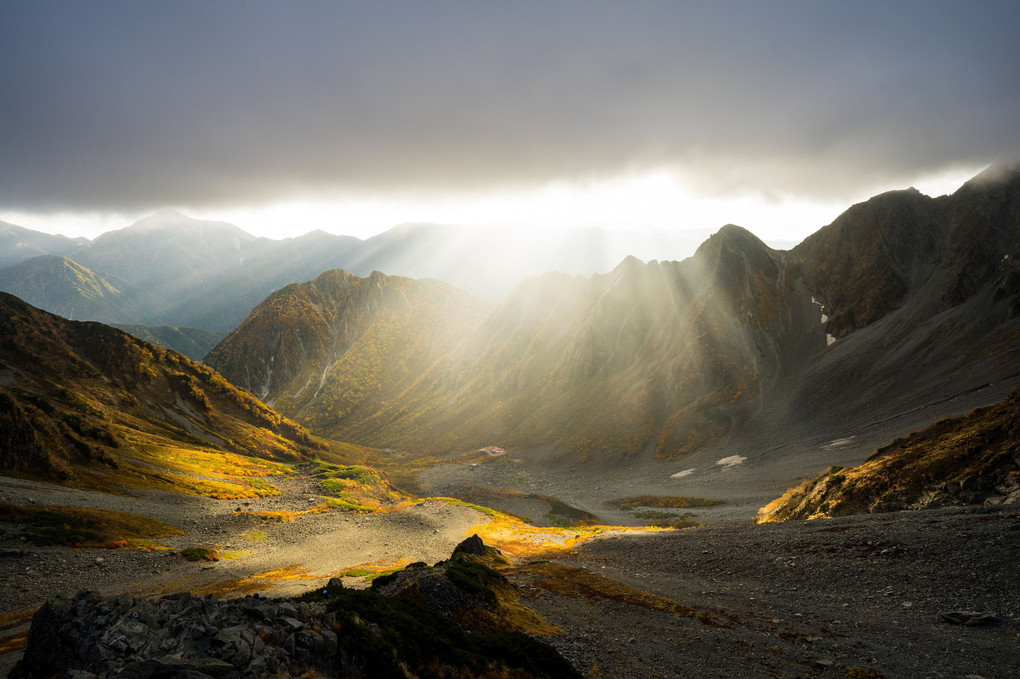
(887, 595)
(880, 595)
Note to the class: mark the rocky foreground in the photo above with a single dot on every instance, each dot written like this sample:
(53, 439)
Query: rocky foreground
(928, 593)
(330, 632)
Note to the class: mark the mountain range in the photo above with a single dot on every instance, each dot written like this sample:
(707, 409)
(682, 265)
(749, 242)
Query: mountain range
(900, 306)
(197, 275)
(903, 310)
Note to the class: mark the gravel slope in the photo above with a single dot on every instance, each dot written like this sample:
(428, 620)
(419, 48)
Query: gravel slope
(803, 599)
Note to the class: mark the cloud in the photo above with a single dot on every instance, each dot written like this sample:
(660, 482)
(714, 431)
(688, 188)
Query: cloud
(121, 106)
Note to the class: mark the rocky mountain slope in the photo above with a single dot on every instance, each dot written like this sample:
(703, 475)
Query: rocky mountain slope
(973, 459)
(904, 302)
(92, 406)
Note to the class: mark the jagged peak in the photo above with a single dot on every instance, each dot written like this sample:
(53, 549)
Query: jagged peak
(629, 263)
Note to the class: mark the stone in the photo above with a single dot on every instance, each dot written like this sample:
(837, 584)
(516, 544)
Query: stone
(970, 618)
(472, 545)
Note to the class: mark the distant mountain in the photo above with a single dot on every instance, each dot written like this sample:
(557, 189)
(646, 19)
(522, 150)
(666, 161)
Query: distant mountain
(174, 270)
(966, 460)
(192, 342)
(18, 244)
(73, 291)
(90, 405)
(489, 261)
(902, 304)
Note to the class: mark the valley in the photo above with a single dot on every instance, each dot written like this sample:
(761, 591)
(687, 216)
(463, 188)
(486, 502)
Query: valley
(615, 436)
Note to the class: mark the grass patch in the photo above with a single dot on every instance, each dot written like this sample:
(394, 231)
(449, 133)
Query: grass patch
(562, 514)
(667, 519)
(200, 554)
(351, 487)
(84, 527)
(255, 534)
(665, 502)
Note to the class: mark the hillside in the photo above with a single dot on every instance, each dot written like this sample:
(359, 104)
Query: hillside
(884, 316)
(973, 459)
(192, 342)
(368, 339)
(68, 289)
(88, 405)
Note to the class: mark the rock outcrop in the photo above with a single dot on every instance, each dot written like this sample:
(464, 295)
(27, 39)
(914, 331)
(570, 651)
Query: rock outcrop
(452, 615)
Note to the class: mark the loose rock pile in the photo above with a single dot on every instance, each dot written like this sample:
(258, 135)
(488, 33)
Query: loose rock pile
(181, 635)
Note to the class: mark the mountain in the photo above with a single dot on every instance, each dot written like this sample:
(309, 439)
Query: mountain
(90, 405)
(973, 459)
(18, 244)
(903, 304)
(373, 335)
(180, 271)
(650, 357)
(65, 287)
(192, 342)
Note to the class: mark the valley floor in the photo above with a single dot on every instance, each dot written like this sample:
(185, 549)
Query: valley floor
(804, 598)
(815, 598)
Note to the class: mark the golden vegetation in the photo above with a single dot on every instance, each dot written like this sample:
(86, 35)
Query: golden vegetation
(85, 527)
(955, 461)
(95, 408)
(664, 502)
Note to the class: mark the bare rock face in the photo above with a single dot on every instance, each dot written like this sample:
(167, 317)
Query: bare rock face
(445, 615)
(472, 545)
(181, 635)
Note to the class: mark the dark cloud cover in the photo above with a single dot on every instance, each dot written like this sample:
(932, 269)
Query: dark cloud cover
(132, 105)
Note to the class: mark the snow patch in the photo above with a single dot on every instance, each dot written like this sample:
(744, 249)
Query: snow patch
(829, 339)
(680, 475)
(731, 461)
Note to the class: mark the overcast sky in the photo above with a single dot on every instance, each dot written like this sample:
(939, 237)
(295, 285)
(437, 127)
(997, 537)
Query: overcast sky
(355, 116)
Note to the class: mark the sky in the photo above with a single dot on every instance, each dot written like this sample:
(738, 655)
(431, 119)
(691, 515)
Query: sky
(352, 117)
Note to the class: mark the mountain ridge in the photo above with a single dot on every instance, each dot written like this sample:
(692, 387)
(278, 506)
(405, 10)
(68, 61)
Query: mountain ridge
(663, 359)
